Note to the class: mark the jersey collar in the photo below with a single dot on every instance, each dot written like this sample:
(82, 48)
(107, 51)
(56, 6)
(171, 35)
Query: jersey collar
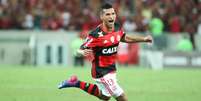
(104, 29)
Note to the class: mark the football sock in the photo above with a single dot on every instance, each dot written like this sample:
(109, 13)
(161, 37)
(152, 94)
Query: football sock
(88, 87)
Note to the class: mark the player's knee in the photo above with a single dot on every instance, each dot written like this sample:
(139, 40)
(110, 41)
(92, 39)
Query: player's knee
(104, 98)
(122, 98)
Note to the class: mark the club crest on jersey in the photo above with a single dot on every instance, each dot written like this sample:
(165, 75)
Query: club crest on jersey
(112, 39)
(105, 41)
(109, 50)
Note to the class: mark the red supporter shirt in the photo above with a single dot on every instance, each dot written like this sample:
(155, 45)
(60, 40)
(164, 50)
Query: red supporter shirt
(104, 46)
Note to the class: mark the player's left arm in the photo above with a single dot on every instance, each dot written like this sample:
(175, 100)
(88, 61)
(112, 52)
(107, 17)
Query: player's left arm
(128, 38)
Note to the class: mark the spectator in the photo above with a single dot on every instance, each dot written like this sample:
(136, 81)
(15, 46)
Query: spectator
(78, 60)
(199, 29)
(199, 25)
(175, 24)
(129, 25)
(156, 28)
(28, 21)
(156, 25)
(74, 14)
(184, 45)
(65, 17)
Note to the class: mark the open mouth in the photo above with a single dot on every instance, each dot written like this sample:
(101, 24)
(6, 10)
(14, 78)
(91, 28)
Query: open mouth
(110, 21)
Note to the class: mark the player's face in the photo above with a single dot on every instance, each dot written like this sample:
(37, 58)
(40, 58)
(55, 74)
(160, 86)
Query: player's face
(108, 17)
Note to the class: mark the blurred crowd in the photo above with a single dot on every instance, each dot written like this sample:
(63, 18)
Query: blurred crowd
(176, 15)
(135, 15)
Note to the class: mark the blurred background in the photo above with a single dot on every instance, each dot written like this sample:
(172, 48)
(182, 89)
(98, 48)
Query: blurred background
(43, 31)
(46, 33)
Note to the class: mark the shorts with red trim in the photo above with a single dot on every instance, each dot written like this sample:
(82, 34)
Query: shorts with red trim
(109, 86)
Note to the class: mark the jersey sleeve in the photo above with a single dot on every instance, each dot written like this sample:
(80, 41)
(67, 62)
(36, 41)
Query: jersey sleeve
(90, 42)
(122, 33)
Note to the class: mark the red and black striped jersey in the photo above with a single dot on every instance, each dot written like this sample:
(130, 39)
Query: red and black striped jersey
(104, 46)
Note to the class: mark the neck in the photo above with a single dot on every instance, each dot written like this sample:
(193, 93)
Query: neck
(108, 28)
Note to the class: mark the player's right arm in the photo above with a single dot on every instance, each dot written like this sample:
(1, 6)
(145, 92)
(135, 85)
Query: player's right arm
(84, 52)
(86, 47)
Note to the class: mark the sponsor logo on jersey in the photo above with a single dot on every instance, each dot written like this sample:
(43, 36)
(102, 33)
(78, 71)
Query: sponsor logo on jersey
(109, 50)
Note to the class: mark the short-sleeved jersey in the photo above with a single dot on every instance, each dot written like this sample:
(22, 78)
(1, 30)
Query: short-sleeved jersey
(104, 46)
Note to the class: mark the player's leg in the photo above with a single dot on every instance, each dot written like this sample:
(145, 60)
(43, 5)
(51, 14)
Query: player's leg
(104, 98)
(93, 89)
(104, 93)
(122, 97)
(87, 87)
(111, 86)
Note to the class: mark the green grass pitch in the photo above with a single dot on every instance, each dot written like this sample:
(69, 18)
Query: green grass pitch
(28, 83)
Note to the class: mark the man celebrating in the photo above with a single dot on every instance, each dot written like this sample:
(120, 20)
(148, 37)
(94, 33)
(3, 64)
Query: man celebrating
(101, 46)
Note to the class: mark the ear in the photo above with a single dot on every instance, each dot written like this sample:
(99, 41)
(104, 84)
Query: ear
(101, 16)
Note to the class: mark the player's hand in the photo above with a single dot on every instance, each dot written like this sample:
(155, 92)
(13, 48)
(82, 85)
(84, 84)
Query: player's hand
(84, 52)
(148, 39)
(87, 52)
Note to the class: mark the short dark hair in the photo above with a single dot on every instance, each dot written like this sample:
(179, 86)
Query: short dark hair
(106, 6)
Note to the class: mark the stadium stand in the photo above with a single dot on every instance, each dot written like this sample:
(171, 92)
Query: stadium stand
(177, 15)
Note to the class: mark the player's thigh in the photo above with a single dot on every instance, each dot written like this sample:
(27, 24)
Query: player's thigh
(112, 85)
(109, 86)
(104, 94)
(103, 90)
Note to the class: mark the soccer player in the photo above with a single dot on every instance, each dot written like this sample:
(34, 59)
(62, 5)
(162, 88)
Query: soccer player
(102, 44)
